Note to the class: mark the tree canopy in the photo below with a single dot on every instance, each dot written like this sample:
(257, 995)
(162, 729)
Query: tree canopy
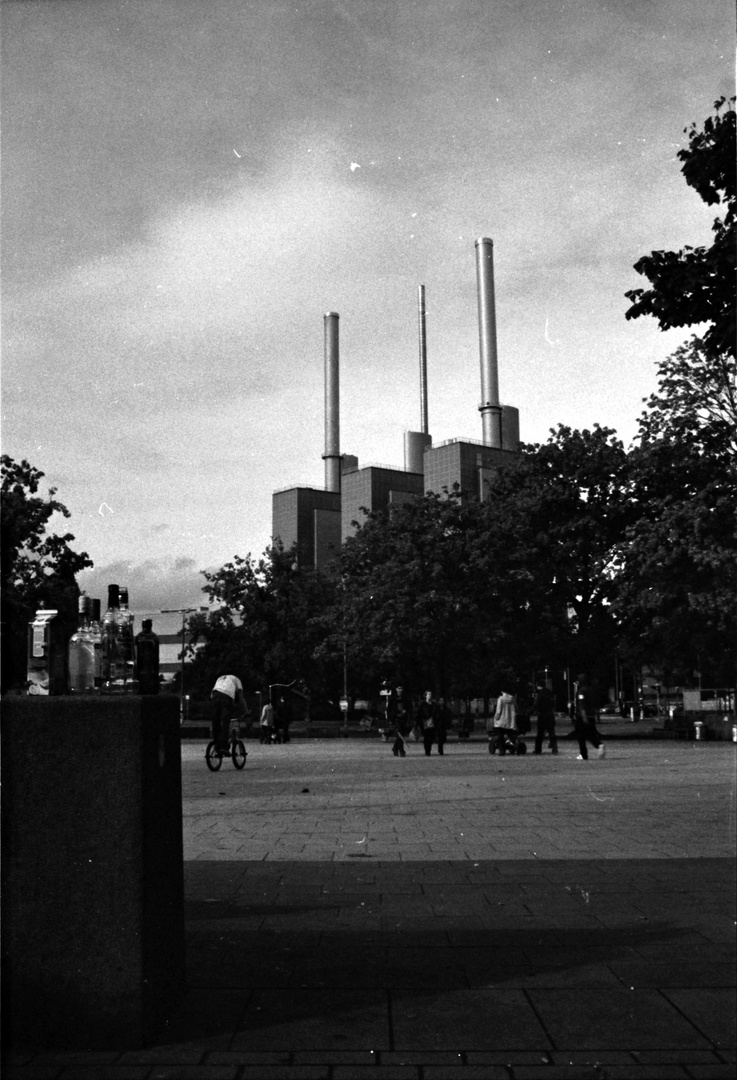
(264, 629)
(697, 285)
(678, 578)
(37, 568)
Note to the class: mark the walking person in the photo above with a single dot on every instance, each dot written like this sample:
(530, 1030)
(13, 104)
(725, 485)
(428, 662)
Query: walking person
(504, 724)
(544, 707)
(228, 702)
(426, 719)
(266, 732)
(400, 719)
(442, 724)
(587, 711)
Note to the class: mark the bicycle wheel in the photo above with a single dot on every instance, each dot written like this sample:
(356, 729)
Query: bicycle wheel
(213, 757)
(239, 753)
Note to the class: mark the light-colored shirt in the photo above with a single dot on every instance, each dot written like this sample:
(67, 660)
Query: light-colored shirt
(229, 684)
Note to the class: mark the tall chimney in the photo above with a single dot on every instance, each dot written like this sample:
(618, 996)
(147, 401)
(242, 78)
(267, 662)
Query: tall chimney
(423, 358)
(331, 457)
(490, 409)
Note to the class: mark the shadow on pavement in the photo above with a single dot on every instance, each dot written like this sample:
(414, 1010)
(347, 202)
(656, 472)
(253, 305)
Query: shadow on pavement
(285, 956)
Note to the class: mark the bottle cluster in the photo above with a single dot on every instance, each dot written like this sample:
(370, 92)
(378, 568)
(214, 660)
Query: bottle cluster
(106, 656)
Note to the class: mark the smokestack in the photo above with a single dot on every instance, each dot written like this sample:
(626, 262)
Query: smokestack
(423, 359)
(490, 409)
(331, 457)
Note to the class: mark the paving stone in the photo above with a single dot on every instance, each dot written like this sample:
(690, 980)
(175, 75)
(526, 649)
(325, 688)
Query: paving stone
(321, 1018)
(478, 1019)
(365, 1058)
(711, 1072)
(193, 1072)
(464, 1072)
(604, 1072)
(588, 1057)
(712, 1011)
(384, 1072)
(284, 1072)
(675, 973)
(601, 1020)
(105, 1072)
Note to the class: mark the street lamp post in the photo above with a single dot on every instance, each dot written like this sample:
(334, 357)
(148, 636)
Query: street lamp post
(184, 612)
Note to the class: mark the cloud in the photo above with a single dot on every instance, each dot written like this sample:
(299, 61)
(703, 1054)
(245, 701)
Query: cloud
(153, 585)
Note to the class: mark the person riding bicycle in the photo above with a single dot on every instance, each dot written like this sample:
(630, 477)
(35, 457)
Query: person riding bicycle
(228, 702)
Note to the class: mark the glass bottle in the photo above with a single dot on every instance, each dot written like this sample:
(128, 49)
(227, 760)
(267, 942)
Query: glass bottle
(81, 653)
(147, 659)
(113, 668)
(96, 633)
(127, 642)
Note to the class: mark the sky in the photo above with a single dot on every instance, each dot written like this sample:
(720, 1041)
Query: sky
(188, 187)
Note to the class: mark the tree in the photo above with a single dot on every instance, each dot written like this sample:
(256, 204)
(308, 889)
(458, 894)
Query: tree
(696, 400)
(265, 629)
(413, 605)
(697, 285)
(558, 514)
(36, 568)
(459, 595)
(679, 561)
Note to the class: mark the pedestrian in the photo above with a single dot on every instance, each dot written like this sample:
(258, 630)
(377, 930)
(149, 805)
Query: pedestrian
(442, 724)
(587, 711)
(228, 702)
(504, 724)
(266, 732)
(426, 719)
(400, 718)
(544, 707)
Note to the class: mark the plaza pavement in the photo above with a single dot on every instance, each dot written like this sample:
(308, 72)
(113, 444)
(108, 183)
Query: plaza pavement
(355, 915)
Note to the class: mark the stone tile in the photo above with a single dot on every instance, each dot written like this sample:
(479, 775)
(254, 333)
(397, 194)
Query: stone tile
(464, 1072)
(712, 1011)
(593, 1072)
(675, 973)
(711, 1072)
(284, 1072)
(193, 1072)
(607, 1016)
(320, 1018)
(478, 1019)
(591, 1057)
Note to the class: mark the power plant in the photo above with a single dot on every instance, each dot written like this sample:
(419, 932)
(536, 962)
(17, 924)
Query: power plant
(319, 520)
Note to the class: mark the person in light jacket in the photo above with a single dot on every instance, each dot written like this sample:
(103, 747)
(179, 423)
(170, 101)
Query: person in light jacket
(504, 723)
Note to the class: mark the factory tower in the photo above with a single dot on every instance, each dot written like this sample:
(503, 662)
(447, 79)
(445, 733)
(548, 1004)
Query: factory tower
(320, 520)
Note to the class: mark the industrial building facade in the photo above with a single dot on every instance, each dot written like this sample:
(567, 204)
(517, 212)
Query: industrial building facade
(320, 520)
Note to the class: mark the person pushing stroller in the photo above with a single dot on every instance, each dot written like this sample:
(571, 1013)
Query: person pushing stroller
(502, 727)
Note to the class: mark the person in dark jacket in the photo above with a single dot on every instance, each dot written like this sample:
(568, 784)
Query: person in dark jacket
(587, 711)
(400, 719)
(442, 724)
(544, 707)
(426, 720)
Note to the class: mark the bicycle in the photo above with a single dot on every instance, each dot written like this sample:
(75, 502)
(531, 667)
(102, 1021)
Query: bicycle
(238, 753)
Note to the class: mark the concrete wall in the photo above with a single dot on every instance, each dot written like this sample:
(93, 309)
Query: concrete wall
(93, 892)
(372, 487)
(293, 518)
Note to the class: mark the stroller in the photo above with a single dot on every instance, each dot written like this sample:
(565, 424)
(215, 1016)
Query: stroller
(506, 741)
